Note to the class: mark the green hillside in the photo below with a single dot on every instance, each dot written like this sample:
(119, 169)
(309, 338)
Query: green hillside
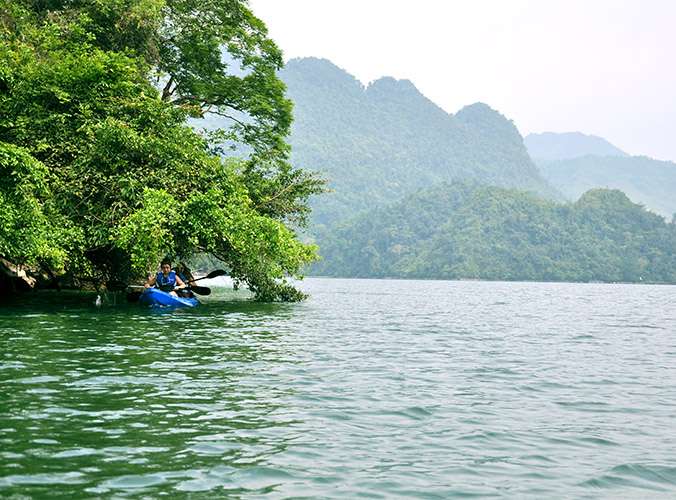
(386, 140)
(476, 232)
(646, 181)
(562, 146)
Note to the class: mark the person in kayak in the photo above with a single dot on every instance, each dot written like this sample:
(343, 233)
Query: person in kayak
(166, 280)
(184, 272)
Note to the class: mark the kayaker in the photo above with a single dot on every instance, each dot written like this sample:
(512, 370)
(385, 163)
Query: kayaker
(166, 280)
(184, 272)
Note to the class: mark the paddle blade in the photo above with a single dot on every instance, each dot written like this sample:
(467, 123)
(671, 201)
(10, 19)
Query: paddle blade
(216, 274)
(200, 290)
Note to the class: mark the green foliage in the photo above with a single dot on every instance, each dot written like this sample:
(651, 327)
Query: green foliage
(27, 232)
(207, 56)
(472, 231)
(146, 234)
(121, 170)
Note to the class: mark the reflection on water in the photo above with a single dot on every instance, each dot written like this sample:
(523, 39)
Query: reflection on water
(371, 387)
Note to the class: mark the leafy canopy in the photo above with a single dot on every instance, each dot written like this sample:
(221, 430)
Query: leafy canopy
(109, 174)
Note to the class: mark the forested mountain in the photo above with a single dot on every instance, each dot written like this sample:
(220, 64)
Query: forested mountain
(562, 146)
(647, 181)
(411, 193)
(377, 143)
(470, 231)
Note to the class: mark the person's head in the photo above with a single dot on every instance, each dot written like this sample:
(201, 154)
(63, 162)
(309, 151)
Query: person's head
(165, 266)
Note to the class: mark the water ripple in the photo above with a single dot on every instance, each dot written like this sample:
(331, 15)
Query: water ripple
(374, 389)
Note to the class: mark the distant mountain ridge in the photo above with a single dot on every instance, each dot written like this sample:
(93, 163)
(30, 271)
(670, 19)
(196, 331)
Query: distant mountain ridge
(574, 163)
(564, 146)
(421, 193)
(379, 142)
(645, 180)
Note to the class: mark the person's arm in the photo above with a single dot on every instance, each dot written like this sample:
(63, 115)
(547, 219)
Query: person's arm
(150, 282)
(179, 282)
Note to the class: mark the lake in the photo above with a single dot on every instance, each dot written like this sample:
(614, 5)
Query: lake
(371, 388)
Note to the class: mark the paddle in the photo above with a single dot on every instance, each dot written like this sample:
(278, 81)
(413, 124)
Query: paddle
(212, 274)
(204, 290)
(199, 290)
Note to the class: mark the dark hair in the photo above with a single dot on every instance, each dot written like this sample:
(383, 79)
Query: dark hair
(165, 261)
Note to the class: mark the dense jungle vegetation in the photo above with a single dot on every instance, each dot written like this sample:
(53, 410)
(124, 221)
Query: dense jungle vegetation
(469, 231)
(100, 177)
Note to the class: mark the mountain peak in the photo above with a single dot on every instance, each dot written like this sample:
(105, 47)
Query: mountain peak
(312, 62)
(386, 140)
(389, 84)
(481, 117)
(320, 72)
(477, 109)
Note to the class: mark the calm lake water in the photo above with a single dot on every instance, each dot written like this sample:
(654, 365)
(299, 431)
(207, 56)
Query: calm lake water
(371, 388)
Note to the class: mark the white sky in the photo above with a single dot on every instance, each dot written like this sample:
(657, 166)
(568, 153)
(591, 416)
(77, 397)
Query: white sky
(603, 67)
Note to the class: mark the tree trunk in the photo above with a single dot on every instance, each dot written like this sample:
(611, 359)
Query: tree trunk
(13, 278)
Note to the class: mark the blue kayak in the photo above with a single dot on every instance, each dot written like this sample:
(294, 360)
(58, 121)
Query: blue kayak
(157, 298)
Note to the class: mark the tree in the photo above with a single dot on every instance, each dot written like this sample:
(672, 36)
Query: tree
(79, 94)
(26, 229)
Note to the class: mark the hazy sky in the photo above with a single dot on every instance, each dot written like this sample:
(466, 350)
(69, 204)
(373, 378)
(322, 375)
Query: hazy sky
(603, 67)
